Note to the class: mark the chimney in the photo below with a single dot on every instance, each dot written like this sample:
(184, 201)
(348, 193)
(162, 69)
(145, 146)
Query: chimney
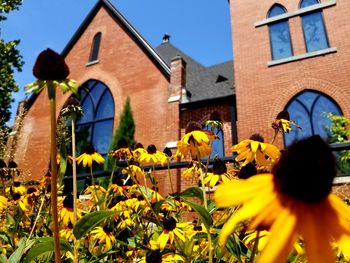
(177, 78)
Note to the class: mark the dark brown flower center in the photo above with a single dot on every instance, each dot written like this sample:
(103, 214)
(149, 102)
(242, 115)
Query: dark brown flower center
(90, 149)
(17, 184)
(107, 229)
(151, 149)
(167, 151)
(247, 171)
(68, 201)
(153, 256)
(192, 126)
(12, 164)
(219, 167)
(169, 223)
(306, 170)
(283, 115)
(2, 164)
(257, 137)
(50, 66)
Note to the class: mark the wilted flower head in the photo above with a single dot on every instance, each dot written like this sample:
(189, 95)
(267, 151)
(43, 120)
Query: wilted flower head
(72, 105)
(50, 65)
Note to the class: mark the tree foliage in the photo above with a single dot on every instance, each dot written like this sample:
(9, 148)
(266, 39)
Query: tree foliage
(10, 60)
(125, 130)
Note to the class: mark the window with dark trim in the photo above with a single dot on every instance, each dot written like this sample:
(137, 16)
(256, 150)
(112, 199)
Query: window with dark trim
(280, 40)
(96, 41)
(308, 109)
(314, 30)
(95, 126)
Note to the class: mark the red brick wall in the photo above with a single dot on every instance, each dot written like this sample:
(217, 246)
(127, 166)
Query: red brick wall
(263, 91)
(126, 70)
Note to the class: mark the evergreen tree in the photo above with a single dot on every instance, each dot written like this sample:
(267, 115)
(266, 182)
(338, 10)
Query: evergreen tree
(125, 132)
(10, 59)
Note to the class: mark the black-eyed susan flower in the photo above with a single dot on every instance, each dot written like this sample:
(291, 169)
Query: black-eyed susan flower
(50, 68)
(3, 202)
(89, 156)
(122, 151)
(17, 188)
(195, 142)
(218, 173)
(95, 192)
(171, 229)
(255, 150)
(283, 123)
(66, 232)
(152, 156)
(104, 236)
(66, 214)
(21, 201)
(295, 199)
(156, 256)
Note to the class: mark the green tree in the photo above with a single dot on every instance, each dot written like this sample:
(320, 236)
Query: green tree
(10, 59)
(125, 131)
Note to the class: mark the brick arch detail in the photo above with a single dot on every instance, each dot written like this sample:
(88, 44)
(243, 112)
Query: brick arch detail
(296, 87)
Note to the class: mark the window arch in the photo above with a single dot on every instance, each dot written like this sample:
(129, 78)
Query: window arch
(315, 35)
(280, 40)
(308, 110)
(95, 126)
(95, 47)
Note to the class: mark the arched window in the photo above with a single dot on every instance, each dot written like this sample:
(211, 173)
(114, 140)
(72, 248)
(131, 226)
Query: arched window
(315, 34)
(96, 41)
(280, 41)
(308, 109)
(95, 126)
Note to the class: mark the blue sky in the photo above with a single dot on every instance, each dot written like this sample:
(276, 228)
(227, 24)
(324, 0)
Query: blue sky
(200, 28)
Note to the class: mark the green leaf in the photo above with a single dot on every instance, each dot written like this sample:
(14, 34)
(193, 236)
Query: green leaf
(203, 214)
(3, 258)
(192, 192)
(17, 254)
(46, 245)
(89, 221)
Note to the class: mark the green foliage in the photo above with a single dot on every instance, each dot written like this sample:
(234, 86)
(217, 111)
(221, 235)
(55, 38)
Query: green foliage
(10, 59)
(339, 131)
(125, 131)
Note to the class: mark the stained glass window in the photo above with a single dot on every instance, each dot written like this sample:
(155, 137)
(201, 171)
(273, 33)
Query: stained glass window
(96, 125)
(308, 109)
(315, 34)
(280, 40)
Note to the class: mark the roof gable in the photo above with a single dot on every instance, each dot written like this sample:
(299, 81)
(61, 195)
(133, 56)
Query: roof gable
(133, 33)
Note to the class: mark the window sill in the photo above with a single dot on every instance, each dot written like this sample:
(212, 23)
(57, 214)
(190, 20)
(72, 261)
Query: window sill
(341, 180)
(302, 56)
(90, 63)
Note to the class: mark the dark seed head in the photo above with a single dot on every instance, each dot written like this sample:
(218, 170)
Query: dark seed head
(167, 151)
(12, 164)
(306, 170)
(215, 116)
(68, 201)
(153, 256)
(219, 167)
(192, 126)
(90, 149)
(17, 184)
(31, 190)
(2, 164)
(257, 137)
(107, 229)
(138, 145)
(169, 223)
(16, 196)
(50, 66)
(122, 144)
(283, 115)
(151, 149)
(247, 171)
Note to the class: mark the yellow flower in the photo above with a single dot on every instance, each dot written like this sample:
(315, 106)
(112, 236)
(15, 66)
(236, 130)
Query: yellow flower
(295, 199)
(66, 214)
(18, 188)
(252, 150)
(283, 123)
(192, 171)
(104, 236)
(95, 192)
(89, 156)
(122, 151)
(67, 232)
(171, 229)
(3, 202)
(218, 173)
(152, 156)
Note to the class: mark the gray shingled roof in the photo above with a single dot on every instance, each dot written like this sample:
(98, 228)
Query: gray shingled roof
(201, 81)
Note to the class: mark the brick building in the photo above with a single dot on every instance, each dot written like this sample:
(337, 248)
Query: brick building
(291, 55)
(113, 61)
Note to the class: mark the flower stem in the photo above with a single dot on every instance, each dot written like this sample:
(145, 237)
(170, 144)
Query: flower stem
(255, 248)
(75, 190)
(52, 98)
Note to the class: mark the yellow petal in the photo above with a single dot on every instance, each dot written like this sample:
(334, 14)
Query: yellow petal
(238, 191)
(282, 238)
